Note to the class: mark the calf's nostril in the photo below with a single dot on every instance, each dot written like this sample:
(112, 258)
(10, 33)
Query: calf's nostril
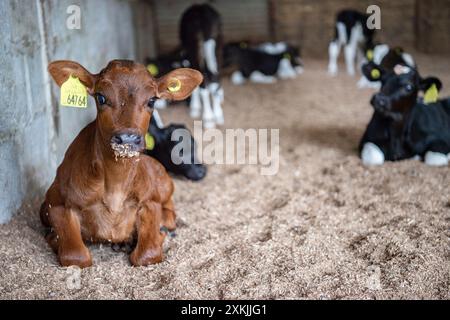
(117, 139)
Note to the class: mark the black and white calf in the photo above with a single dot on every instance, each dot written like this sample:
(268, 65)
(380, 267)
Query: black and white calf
(264, 63)
(404, 126)
(387, 58)
(352, 33)
(164, 140)
(201, 40)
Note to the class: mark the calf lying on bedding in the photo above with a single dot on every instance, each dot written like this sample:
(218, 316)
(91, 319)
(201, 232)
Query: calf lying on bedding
(404, 126)
(105, 190)
(262, 64)
(162, 150)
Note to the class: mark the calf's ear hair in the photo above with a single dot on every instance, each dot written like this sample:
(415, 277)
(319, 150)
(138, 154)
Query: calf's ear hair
(63, 69)
(373, 72)
(178, 84)
(426, 83)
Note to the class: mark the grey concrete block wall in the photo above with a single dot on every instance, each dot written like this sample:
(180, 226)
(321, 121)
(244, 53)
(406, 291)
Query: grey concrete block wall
(34, 130)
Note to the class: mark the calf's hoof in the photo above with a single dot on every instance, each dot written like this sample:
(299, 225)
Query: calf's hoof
(150, 256)
(371, 155)
(436, 159)
(80, 257)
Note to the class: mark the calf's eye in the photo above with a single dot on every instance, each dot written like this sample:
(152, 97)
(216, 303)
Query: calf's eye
(151, 102)
(100, 98)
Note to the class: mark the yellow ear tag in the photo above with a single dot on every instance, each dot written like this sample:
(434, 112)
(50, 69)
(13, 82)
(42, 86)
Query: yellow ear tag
(153, 69)
(375, 74)
(73, 93)
(287, 56)
(149, 141)
(174, 85)
(369, 55)
(431, 95)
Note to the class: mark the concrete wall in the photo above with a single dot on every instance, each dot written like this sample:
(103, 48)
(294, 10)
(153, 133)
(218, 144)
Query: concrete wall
(34, 130)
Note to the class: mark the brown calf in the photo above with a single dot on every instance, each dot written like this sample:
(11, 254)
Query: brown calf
(105, 189)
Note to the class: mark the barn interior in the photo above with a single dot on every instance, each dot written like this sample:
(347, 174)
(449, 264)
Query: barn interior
(324, 227)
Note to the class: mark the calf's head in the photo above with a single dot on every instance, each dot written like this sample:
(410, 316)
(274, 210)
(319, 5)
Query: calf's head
(125, 92)
(400, 88)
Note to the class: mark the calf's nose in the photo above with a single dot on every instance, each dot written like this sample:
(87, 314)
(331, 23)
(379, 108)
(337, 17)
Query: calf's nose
(127, 138)
(380, 101)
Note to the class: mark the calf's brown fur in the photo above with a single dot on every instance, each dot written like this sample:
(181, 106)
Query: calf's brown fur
(97, 196)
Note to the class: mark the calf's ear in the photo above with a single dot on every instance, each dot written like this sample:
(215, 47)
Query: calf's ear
(63, 69)
(178, 84)
(373, 72)
(430, 87)
(427, 83)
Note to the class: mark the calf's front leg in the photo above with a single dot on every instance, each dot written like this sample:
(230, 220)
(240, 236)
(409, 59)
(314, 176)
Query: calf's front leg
(65, 238)
(149, 237)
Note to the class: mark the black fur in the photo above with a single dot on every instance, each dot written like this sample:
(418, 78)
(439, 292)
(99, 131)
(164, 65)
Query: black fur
(402, 126)
(163, 152)
(350, 18)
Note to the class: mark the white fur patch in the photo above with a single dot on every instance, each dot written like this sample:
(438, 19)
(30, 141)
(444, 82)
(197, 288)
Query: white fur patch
(399, 69)
(372, 155)
(237, 78)
(365, 83)
(208, 115)
(409, 59)
(157, 118)
(160, 104)
(209, 48)
(195, 104)
(436, 159)
(379, 52)
(285, 69)
(333, 53)
(341, 33)
(273, 48)
(217, 98)
(259, 77)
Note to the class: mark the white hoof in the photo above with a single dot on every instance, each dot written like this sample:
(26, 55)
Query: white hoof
(436, 159)
(372, 155)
